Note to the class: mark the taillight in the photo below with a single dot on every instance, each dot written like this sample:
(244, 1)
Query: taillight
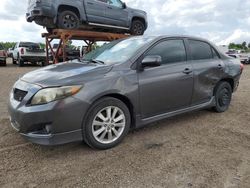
(241, 67)
(22, 51)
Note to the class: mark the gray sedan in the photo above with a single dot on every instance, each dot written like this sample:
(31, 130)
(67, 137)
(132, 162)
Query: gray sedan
(123, 85)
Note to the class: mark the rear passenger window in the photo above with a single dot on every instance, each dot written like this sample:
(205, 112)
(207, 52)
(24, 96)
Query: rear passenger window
(200, 50)
(171, 51)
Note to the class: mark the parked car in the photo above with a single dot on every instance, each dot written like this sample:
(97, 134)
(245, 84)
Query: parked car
(243, 57)
(112, 15)
(28, 52)
(3, 55)
(122, 85)
(71, 53)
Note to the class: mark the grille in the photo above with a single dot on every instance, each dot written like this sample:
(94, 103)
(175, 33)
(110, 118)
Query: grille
(19, 94)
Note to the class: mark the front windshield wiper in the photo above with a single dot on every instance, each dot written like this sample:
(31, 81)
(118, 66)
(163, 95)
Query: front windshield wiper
(97, 61)
(91, 61)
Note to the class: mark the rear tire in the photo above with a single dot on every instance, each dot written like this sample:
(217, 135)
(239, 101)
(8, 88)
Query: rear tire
(223, 96)
(20, 62)
(106, 123)
(137, 27)
(68, 20)
(13, 60)
(3, 63)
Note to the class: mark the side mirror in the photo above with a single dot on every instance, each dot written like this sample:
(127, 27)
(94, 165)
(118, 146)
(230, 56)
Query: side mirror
(124, 6)
(151, 61)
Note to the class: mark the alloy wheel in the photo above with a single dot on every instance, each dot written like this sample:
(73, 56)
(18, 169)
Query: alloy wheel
(69, 21)
(108, 125)
(138, 28)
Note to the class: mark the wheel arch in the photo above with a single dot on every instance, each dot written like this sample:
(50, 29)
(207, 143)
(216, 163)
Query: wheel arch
(64, 7)
(125, 100)
(139, 18)
(228, 80)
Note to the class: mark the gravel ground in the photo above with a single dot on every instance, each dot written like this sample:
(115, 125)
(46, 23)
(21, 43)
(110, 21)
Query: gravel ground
(200, 150)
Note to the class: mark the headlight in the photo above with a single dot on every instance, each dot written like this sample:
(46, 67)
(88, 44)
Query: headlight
(48, 95)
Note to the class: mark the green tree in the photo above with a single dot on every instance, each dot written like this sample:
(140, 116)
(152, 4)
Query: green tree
(244, 45)
(231, 46)
(42, 45)
(8, 45)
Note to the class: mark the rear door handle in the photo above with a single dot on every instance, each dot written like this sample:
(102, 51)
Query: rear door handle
(90, 3)
(187, 71)
(110, 8)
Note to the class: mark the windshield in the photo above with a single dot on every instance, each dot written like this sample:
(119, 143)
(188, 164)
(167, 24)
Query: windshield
(117, 51)
(29, 45)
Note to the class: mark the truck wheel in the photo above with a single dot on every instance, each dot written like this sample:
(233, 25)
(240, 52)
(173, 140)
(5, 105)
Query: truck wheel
(20, 61)
(13, 60)
(68, 20)
(223, 96)
(137, 27)
(3, 63)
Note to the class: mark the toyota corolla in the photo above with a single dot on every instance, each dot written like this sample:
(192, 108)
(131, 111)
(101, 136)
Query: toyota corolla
(123, 85)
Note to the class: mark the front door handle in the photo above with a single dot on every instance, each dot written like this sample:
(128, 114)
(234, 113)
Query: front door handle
(90, 3)
(110, 8)
(187, 71)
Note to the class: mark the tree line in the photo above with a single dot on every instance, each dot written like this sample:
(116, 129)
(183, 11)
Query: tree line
(242, 46)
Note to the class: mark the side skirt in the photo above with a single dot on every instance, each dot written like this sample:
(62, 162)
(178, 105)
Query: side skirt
(143, 122)
(108, 26)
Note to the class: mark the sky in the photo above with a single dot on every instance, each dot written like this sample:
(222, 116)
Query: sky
(220, 21)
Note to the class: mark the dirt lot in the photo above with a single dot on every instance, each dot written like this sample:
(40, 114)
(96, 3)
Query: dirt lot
(201, 149)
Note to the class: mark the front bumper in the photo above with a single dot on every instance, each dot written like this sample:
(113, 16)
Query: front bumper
(55, 123)
(49, 139)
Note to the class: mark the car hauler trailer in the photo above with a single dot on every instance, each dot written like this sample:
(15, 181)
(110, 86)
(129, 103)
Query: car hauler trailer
(89, 37)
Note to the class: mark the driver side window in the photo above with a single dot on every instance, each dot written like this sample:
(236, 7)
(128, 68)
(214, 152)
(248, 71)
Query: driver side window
(171, 51)
(116, 3)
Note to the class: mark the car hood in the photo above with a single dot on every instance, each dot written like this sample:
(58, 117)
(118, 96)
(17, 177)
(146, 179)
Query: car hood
(66, 74)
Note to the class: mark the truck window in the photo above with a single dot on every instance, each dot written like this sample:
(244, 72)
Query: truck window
(115, 3)
(29, 45)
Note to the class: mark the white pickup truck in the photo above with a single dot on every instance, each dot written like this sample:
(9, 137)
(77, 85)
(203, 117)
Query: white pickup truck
(28, 52)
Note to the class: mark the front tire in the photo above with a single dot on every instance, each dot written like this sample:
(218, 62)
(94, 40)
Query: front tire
(137, 27)
(68, 20)
(107, 123)
(223, 96)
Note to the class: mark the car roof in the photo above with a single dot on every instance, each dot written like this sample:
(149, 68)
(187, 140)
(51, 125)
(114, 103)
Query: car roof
(174, 36)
